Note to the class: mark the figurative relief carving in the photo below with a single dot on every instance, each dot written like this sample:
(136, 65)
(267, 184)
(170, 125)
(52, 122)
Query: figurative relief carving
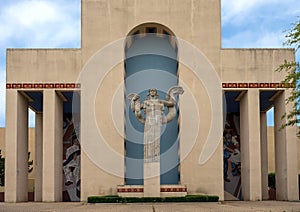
(154, 118)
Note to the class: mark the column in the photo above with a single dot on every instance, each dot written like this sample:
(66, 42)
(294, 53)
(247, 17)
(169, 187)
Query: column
(38, 163)
(16, 141)
(250, 145)
(264, 155)
(285, 152)
(52, 147)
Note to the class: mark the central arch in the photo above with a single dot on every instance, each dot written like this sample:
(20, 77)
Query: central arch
(151, 61)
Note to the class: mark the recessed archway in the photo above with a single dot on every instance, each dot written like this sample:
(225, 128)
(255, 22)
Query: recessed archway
(151, 61)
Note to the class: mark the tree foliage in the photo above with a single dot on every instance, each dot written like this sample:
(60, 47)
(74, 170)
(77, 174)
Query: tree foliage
(293, 76)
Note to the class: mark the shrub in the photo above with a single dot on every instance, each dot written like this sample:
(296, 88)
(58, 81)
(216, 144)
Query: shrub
(271, 180)
(117, 199)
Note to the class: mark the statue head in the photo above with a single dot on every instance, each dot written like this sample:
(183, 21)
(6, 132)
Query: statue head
(152, 93)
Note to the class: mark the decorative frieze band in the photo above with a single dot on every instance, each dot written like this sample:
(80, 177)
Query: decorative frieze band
(42, 85)
(78, 85)
(258, 85)
(130, 190)
(173, 189)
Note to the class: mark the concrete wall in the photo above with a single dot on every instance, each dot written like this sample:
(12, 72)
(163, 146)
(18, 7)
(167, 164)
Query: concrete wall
(198, 22)
(42, 65)
(253, 65)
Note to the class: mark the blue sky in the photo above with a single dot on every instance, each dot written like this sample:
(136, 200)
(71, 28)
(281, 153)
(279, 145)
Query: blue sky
(56, 23)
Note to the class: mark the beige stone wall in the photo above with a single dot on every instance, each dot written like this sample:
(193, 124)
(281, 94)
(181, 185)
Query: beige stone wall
(198, 22)
(253, 65)
(43, 65)
(206, 178)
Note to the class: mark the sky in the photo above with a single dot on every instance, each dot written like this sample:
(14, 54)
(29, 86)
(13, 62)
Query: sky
(56, 24)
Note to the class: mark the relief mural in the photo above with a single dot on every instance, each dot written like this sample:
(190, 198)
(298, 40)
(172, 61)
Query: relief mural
(71, 157)
(232, 156)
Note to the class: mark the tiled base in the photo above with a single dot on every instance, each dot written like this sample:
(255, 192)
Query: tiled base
(130, 191)
(165, 190)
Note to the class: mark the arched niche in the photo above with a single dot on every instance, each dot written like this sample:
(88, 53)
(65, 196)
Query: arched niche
(151, 61)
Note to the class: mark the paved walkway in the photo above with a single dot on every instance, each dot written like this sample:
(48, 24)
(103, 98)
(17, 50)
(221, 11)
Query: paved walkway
(157, 207)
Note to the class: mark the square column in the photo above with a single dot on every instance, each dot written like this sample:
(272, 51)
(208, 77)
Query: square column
(52, 147)
(264, 155)
(38, 163)
(16, 153)
(286, 172)
(250, 145)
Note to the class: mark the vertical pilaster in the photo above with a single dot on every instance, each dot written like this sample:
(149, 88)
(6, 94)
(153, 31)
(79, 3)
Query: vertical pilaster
(264, 155)
(16, 141)
(52, 147)
(250, 145)
(285, 153)
(38, 157)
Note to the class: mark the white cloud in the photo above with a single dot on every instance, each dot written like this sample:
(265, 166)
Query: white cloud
(236, 12)
(257, 23)
(40, 23)
(36, 23)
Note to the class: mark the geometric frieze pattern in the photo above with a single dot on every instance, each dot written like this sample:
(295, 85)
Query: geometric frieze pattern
(78, 85)
(132, 190)
(257, 85)
(41, 85)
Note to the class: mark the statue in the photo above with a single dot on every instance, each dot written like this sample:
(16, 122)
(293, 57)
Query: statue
(154, 118)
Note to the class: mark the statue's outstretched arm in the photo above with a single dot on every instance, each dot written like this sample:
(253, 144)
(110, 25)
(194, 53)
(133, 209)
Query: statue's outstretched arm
(134, 101)
(136, 106)
(175, 90)
(171, 102)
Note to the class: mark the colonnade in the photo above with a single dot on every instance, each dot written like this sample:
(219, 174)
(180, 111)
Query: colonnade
(48, 147)
(254, 149)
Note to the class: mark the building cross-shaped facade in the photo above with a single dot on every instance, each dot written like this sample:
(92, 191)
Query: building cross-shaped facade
(43, 80)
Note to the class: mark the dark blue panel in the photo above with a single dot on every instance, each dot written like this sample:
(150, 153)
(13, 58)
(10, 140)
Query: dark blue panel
(37, 103)
(72, 105)
(155, 68)
(265, 104)
(232, 106)
(150, 61)
(151, 44)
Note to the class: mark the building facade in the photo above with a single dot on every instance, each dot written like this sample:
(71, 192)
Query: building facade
(217, 144)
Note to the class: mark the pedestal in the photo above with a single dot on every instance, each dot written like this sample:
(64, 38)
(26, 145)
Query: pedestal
(152, 179)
